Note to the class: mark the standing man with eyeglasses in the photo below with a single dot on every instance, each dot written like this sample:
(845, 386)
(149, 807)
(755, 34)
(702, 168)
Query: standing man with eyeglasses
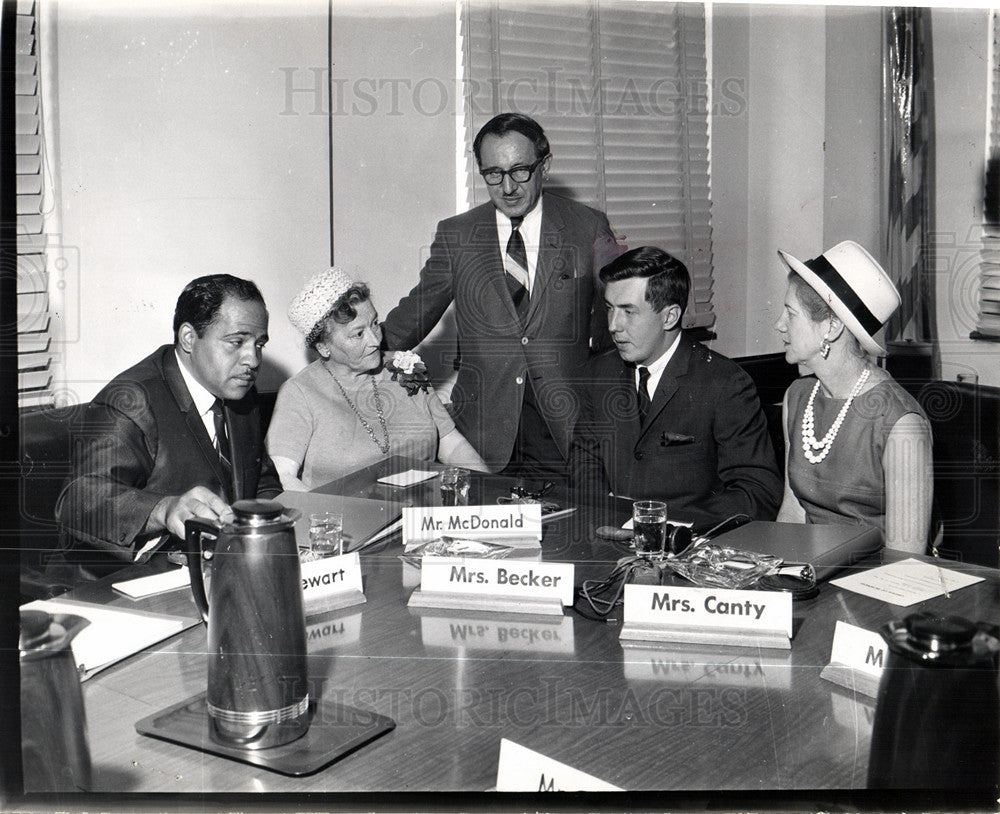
(522, 271)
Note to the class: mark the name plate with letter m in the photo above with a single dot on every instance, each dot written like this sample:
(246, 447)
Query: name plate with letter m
(508, 586)
(668, 613)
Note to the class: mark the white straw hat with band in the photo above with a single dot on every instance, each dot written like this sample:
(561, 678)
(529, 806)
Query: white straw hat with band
(317, 298)
(854, 286)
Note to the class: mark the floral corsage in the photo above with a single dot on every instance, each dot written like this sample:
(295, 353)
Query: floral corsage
(409, 370)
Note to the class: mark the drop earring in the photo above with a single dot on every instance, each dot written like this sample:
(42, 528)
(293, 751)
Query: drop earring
(824, 349)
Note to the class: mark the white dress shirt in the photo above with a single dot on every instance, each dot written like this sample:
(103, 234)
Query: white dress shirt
(531, 234)
(656, 368)
(203, 400)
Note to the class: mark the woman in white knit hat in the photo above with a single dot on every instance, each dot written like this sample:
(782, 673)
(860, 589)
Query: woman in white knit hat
(858, 446)
(347, 409)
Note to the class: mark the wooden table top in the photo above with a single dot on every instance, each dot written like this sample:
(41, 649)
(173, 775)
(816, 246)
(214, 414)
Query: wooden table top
(456, 682)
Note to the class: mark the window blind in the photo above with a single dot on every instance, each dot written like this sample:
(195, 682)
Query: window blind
(34, 357)
(988, 320)
(621, 90)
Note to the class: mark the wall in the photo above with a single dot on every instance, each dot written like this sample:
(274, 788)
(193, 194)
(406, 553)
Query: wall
(961, 72)
(192, 141)
(797, 168)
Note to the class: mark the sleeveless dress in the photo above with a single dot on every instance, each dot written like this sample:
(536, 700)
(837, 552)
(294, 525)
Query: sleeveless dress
(848, 486)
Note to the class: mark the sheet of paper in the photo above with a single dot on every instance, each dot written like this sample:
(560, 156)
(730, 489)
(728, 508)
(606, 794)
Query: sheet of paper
(906, 582)
(408, 478)
(113, 633)
(154, 584)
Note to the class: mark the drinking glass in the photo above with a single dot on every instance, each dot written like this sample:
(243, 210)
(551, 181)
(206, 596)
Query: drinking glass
(455, 486)
(649, 526)
(326, 533)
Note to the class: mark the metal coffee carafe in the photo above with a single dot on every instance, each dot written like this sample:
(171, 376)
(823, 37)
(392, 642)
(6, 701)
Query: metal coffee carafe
(257, 677)
(937, 715)
(53, 726)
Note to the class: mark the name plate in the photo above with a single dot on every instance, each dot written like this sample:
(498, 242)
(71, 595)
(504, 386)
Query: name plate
(424, 523)
(501, 578)
(332, 582)
(523, 769)
(857, 659)
(476, 633)
(717, 615)
(761, 669)
(333, 631)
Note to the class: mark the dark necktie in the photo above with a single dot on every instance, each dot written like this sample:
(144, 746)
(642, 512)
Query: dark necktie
(517, 268)
(643, 393)
(221, 435)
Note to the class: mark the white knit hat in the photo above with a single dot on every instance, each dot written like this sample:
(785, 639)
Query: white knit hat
(854, 286)
(317, 298)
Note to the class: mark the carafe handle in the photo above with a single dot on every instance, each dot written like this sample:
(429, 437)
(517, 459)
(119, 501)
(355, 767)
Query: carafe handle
(194, 527)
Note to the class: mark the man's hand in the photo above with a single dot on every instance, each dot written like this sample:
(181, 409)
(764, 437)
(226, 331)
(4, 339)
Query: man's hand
(171, 512)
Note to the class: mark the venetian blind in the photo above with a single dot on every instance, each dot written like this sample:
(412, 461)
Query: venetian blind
(988, 320)
(621, 91)
(34, 357)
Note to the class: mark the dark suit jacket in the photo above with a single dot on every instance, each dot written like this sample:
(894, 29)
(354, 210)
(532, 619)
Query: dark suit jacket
(498, 352)
(142, 440)
(704, 447)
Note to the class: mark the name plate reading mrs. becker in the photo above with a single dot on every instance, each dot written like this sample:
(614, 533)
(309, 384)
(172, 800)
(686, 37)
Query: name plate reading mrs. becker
(332, 582)
(509, 578)
(423, 523)
(718, 615)
(857, 659)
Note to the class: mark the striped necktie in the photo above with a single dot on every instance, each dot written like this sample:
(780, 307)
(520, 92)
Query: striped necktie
(516, 266)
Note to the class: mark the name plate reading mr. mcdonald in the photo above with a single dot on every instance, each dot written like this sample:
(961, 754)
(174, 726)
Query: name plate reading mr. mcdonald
(331, 583)
(716, 615)
(517, 586)
(423, 523)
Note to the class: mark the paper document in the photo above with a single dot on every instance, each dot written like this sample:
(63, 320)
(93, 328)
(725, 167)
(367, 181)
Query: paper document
(906, 582)
(408, 478)
(154, 584)
(113, 633)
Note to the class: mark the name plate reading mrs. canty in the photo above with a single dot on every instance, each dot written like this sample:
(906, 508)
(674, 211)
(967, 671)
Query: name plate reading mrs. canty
(523, 769)
(330, 578)
(670, 613)
(857, 659)
(511, 578)
(422, 523)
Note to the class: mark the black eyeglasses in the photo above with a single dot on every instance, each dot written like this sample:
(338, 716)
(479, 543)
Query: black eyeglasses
(519, 175)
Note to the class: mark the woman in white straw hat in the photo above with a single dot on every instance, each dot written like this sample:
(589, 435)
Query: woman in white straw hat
(347, 409)
(858, 446)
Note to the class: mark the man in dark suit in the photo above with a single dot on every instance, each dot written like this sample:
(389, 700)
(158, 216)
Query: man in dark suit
(522, 272)
(665, 417)
(178, 435)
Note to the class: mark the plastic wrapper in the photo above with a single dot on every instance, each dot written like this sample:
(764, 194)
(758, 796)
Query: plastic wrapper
(709, 565)
(455, 547)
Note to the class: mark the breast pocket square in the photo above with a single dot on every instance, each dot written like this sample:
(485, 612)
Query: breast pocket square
(673, 439)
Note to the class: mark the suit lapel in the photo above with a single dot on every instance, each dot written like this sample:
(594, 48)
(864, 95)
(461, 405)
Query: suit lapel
(175, 381)
(668, 384)
(484, 233)
(550, 246)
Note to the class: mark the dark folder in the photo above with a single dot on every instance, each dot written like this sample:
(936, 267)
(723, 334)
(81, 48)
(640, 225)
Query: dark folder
(828, 548)
(364, 519)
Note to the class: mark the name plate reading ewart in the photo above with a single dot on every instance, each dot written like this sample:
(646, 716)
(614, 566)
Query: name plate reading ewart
(716, 615)
(857, 659)
(512, 586)
(424, 523)
(331, 583)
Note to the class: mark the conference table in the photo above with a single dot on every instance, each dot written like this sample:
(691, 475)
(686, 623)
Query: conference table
(456, 682)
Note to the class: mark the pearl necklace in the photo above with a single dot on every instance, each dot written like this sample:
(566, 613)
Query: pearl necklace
(809, 442)
(383, 447)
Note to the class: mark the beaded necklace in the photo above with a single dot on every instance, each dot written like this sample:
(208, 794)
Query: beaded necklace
(383, 447)
(809, 442)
